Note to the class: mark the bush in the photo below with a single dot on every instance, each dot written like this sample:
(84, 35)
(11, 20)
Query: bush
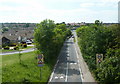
(0, 46)
(94, 39)
(6, 48)
(109, 70)
(24, 45)
(16, 48)
(13, 44)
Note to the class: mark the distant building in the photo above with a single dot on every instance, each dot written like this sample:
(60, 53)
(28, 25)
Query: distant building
(14, 36)
(119, 12)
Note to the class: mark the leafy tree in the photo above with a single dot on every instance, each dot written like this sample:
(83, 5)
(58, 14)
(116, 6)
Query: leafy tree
(49, 38)
(44, 35)
(97, 22)
(98, 38)
(5, 29)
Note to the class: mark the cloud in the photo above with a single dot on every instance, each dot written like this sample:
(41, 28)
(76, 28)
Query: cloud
(58, 10)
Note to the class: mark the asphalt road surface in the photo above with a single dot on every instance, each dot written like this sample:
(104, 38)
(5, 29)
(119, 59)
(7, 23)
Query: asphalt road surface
(67, 68)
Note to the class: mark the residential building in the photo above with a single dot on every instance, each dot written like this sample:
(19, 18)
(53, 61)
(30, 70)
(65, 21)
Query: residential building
(14, 36)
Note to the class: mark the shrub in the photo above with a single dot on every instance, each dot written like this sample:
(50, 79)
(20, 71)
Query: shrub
(16, 48)
(13, 44)
(0, 46)
(6, 48)
(24, 45)
(95, 39)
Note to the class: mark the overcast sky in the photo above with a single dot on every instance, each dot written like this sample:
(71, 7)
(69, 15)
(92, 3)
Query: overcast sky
(34, 11)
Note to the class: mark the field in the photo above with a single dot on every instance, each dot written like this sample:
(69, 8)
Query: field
(27, 71)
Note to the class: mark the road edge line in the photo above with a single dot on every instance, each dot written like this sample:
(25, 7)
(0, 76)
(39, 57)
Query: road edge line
(79, 64)
(53, 71)
(51, 76)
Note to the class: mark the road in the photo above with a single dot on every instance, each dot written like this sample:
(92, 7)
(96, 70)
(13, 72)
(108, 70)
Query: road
(67, 68)
(16, 52)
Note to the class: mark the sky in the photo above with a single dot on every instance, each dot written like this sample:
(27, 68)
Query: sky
(69, 11)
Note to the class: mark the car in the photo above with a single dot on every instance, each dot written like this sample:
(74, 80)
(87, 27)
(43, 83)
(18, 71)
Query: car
(28, 42)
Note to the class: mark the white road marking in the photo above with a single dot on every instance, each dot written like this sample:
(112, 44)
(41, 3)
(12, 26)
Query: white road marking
(71, 63)
(75, 63)
(51, 76)
(66, 73)
(61, 77)
(79, 64)
(56, 77)
(67, 51)
(53, 70)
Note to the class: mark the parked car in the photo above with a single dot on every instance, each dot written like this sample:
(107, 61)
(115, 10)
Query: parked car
(28, 42)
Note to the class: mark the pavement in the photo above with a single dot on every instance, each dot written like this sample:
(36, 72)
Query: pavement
(70, 66)
(86, 74)
(16, 52)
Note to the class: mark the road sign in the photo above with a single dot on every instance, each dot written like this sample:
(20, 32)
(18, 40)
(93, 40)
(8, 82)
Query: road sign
(99, 58)
(40, 60)
(40, 56)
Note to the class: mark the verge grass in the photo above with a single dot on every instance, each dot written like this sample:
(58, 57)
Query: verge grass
(27, 71)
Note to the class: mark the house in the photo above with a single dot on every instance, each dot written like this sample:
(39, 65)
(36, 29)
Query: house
(5, 41)
(15, 36)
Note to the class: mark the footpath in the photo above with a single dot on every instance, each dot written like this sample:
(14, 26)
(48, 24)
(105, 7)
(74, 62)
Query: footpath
(86, 74)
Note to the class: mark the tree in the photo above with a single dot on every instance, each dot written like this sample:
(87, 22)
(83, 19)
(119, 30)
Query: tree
(97, 22)
(43, 36)
(98, 38)
(5, 29)
(49, 38)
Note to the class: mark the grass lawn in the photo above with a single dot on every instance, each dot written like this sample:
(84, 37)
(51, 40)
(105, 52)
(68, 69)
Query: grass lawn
(2, 50)
(27, 71)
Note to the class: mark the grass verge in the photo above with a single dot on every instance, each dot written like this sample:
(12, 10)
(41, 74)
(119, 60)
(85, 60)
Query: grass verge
(27, 71)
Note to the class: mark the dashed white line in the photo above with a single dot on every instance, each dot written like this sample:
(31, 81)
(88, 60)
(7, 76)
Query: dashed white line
(67, 51)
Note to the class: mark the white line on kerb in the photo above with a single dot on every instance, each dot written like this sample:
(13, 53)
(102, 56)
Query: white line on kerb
(53, 70)
(66, 73)
(79, 64)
